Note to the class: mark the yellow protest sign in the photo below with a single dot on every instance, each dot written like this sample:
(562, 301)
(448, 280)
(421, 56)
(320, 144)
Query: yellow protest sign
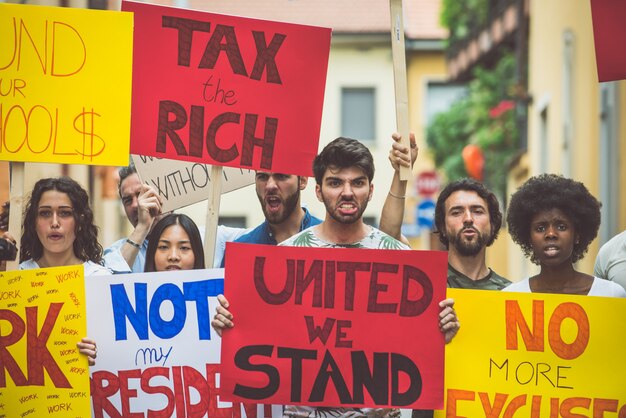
(536, 355)
(42, 317)
(65, 85)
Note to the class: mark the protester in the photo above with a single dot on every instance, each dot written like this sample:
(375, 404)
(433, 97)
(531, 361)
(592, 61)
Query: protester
(611, 260)
(344, 171)
(143, 206)
(467, 218)
(554, 219)
(176, 245)
(58, 230)
(279, 196)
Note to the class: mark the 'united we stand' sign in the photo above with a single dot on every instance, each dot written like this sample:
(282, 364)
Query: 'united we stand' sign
(334, 327)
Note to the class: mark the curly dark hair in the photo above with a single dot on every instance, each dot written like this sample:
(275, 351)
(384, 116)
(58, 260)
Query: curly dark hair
(343, 153)
(86, 246)
(194, 239)
(468, 185)
(546, 192)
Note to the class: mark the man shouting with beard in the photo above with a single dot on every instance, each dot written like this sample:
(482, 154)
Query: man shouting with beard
(279, 196)
(468, 218)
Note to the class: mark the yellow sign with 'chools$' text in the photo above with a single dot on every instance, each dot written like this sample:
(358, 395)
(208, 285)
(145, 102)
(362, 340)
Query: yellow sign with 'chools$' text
(65, 85)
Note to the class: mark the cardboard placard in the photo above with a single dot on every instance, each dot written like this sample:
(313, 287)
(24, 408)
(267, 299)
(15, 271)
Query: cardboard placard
(334, 327)
(227, 90)
(42, 318)
(65, 85)
(157, 352)
(181, 183)
(535, 355)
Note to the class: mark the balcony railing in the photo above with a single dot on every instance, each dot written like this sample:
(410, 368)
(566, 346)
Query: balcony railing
(497, 28)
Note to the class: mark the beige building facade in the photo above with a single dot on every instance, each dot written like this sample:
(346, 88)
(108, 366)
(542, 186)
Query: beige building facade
(574, 122)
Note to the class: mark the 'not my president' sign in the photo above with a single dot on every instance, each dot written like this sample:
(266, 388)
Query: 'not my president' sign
(157, 353)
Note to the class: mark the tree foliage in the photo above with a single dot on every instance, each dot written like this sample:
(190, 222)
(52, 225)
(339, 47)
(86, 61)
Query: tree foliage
(460, 16)
(483, 118)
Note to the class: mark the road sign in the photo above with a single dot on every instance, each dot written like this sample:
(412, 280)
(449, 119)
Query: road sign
(427, 183)
(426, 213)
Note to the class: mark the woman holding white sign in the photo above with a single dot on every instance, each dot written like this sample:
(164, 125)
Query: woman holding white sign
(554, 219)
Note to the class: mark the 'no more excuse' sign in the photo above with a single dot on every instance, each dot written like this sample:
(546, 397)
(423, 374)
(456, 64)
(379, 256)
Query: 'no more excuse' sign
(227, 90)
(536, 355)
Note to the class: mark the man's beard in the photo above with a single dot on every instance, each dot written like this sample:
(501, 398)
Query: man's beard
(345, 219)
(468, 248)
(289, 205)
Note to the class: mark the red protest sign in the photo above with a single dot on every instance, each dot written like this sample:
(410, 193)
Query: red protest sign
(609, 31)
(334, 327)
(227, 90)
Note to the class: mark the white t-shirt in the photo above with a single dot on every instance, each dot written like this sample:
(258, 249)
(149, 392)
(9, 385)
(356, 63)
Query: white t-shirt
(599, 287)
(611, 260)
(91, 268)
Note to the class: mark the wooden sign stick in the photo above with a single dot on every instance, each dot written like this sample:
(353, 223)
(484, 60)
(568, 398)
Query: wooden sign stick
(212, 215)
(399, 75)
(15, 211)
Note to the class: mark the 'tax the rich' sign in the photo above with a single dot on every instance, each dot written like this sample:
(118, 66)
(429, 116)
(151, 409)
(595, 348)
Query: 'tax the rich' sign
(227, 90)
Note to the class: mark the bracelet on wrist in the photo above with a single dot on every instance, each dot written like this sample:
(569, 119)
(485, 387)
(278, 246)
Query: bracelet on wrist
(396, 196)
(133, 243)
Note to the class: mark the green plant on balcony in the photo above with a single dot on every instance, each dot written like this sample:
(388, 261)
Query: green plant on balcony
(486, 117)
(460, 17)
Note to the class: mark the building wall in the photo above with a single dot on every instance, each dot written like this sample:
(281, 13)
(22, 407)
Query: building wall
(423, 67)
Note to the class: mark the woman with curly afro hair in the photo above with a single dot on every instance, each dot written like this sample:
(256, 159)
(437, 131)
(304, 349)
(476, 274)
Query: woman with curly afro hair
(554, 219)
